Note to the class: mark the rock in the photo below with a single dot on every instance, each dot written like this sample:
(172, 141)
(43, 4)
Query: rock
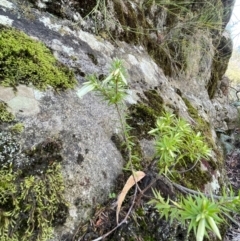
(163, 74)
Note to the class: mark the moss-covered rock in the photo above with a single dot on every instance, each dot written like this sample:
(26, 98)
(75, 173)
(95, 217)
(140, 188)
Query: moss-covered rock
(200, 124)
(5, 115)
(27, 61)
(197, 178)
(142, 120)
(220, 62)
(31, 197)
(170, 31)
(143, 116)
(17, 128)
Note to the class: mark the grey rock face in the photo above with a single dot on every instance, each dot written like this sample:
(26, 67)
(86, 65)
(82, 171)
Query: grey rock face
(91, 161)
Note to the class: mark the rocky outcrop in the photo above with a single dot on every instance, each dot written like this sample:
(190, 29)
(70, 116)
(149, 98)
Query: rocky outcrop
(175, 57)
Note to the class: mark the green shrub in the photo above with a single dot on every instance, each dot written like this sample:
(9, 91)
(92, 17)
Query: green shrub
(176, 142)
(200, 213)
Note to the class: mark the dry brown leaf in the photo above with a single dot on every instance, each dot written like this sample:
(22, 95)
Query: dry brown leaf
(130, 182)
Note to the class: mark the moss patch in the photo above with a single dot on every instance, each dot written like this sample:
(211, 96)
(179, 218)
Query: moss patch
(5, 115)
(142, 120)
(17, 128)
(143, 116)
(155, 101)
(31, 201)
(201, 125)
(29, 205)
(26, 61)
(196, 177)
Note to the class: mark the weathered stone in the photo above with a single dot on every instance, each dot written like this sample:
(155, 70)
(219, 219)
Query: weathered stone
(85, 127)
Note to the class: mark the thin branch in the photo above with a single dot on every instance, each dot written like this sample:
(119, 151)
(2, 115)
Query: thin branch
(230, 218)
(189, 168)
(191, 191)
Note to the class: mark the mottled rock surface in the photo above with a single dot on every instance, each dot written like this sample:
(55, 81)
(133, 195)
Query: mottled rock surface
(91, 161)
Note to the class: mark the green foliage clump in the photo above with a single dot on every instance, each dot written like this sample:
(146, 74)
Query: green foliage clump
(28, 205)
(31, 191)
(113, 88)
(176, 142)
(201, 125)
(5, 115)
(200, 213)
(17, 128)
(26, 61)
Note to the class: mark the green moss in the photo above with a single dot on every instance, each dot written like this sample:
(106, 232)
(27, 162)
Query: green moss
(201, 125)
(29, 205)
(5, 115)
(143, 116)
(26, 61)
(155, 101)
(194, 179)
(31, 186)
(17, 128)
(31, 193)
(142, 120)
